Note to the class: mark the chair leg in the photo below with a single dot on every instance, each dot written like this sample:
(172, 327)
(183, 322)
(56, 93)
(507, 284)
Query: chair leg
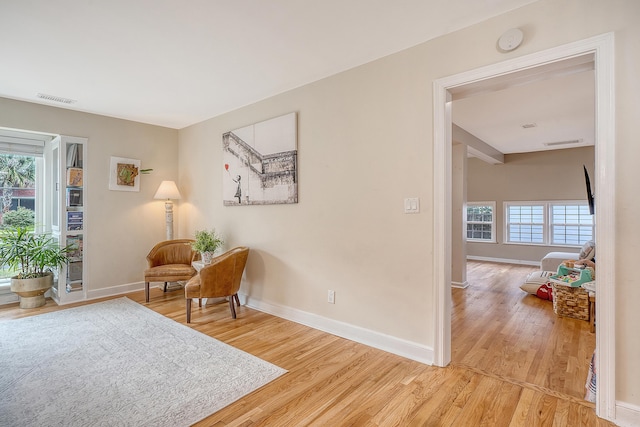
(165, 286)
(235, 296)
(199, 302)
(188, 310)
(233, 309)
(146, 291)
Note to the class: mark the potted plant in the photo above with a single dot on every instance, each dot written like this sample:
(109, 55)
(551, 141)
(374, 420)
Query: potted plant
(207, 242)
(34, 256)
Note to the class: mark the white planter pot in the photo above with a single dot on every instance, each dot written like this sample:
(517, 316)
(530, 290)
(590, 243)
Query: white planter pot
(31, 291)
(207, 257)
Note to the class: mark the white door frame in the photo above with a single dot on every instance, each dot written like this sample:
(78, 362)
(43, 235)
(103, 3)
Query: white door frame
(602, 49)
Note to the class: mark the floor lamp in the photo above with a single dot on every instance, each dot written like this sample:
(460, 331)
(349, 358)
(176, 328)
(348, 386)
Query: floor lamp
(168, 191)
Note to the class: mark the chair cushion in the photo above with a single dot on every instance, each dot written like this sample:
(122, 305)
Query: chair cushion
(172, 271)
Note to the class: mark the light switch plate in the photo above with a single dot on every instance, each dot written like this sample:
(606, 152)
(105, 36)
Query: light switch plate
(412, 205)
(331, 297)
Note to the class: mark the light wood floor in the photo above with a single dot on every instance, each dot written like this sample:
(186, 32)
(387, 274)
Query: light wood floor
(499, 329)
(336, 382)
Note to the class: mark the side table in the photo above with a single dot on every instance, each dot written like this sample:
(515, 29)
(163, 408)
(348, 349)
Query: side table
(590, 287)
(198, 265)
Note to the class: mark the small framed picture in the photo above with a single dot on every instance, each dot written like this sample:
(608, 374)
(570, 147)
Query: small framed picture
(124, 174)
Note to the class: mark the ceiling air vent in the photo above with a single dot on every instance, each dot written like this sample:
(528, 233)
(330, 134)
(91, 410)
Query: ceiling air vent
(529, 125)
(56, 98)
(573, 141)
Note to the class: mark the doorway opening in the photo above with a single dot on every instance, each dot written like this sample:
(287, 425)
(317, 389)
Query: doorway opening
(517, 176)
(527, 67)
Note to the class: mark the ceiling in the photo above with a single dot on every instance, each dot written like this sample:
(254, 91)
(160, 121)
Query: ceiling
(553, 112)
(167, 64)
(174, 63)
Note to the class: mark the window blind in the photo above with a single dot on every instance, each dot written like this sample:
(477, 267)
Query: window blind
(17, 145)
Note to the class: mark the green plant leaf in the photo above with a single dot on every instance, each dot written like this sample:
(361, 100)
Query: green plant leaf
(32, 254)
(207, 241)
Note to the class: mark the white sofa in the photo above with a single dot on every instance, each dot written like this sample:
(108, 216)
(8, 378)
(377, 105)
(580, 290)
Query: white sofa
(552, 260)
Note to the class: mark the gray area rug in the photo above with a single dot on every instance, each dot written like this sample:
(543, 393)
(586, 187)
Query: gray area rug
(118, 363)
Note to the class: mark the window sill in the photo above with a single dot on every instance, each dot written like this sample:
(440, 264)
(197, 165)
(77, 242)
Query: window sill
(543, 245)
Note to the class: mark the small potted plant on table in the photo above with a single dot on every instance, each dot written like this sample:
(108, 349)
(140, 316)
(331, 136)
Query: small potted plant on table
(207, 242)
(34, 256)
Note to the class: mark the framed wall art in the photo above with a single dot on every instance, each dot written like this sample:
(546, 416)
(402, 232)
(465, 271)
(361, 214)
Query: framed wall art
(260, 163)
(124, 174)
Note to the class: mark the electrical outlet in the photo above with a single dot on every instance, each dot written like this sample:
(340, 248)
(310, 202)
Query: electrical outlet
(331, 297)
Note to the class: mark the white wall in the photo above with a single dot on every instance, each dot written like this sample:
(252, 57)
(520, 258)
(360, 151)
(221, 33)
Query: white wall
(348, 232)
(365, 143)
(121, 226)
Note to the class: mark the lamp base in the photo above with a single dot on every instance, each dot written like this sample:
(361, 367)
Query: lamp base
(168, 207)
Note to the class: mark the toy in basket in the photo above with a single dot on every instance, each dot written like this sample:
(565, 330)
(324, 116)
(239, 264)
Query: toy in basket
(569, 298)
(573, 277)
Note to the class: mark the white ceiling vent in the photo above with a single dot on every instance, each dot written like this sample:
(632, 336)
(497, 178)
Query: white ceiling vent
(56, 98)
(573, 141)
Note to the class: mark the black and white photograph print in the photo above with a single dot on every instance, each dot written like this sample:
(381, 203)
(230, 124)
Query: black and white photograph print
(260, 163)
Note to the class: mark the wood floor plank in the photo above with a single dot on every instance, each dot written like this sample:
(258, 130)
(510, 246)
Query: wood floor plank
(521, 413)
(441, 399)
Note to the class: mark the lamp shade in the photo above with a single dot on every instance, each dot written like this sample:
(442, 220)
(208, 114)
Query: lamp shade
(167, 190)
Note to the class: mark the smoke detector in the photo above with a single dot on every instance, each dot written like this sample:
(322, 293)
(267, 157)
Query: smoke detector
(510, 40)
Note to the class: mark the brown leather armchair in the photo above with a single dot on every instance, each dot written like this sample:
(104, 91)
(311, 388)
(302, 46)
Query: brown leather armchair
(170, 261)
(219, 279)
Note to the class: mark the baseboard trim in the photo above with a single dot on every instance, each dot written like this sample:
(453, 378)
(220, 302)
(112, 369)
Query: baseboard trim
(400, 347)
(627, 415)
(115, 290)
(459, 285)
(503, 260)
(8, 298)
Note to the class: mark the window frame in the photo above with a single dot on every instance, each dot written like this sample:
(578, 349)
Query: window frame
(547, 224)
(5, 283)
(491, 204)
(507, 223)
(552, 224)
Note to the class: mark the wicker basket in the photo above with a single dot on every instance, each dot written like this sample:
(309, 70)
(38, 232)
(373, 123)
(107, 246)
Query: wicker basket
(571, 302)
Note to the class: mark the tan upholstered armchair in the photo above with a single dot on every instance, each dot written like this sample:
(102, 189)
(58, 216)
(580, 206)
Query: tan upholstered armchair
(219, 279)
(170, 261)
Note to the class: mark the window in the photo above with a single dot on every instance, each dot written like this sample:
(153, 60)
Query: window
(23, 202)
(525, 223)
(481, 221)
(548, 223)
(17, 190)
(571, 224)
(21, 175)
